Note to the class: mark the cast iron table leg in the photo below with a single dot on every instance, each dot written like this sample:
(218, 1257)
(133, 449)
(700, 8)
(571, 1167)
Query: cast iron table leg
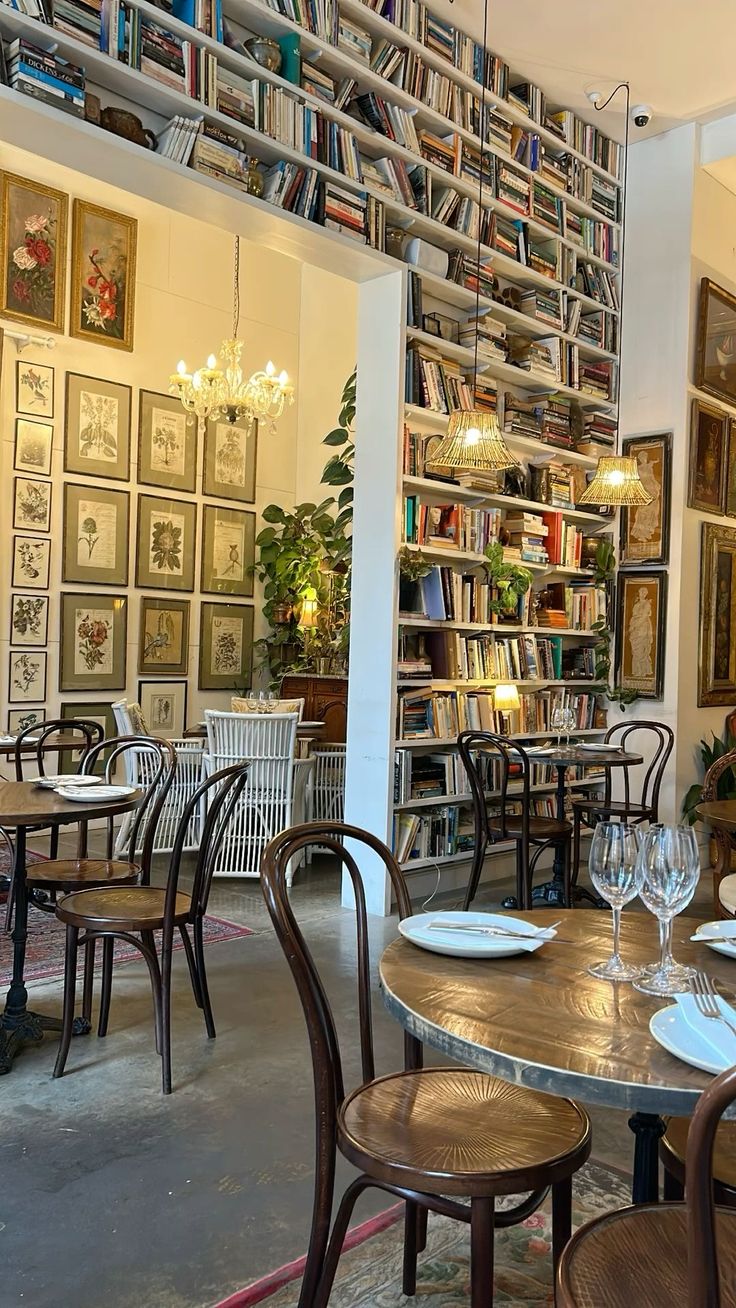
(17, 1025)
(553, 892)
(648, 1130)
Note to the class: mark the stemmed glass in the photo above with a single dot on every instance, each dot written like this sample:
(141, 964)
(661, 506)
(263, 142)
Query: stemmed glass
(557, 722)
(612, 864)
(571, 721)
(667, 872)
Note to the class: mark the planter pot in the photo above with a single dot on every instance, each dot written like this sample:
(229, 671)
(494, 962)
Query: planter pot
(410, 596)
(281, 614)
(713, 854)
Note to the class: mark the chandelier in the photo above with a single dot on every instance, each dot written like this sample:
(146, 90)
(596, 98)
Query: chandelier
(221, 389)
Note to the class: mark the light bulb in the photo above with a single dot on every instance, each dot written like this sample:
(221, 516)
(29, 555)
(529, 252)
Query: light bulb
(181, 368)
(616, 478)
(270, 369)
(472, 436)
(283, 377)
(211, 361)
(197, 380)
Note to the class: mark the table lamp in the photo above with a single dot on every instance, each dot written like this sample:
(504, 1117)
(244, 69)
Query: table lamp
(506, 702)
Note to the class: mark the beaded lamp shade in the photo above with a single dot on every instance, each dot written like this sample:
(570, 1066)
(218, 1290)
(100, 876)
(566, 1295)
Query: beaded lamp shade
(616, 483)
(474, 440)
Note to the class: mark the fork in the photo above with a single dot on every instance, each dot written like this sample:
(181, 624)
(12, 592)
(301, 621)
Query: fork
(706, 1000)
(476, 929)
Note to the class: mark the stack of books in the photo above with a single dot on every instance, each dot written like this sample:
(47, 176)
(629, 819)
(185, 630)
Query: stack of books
(597, 429)
(317, 82)
(433, 382)
(79, 18)
(217, 154)
(527, 532)
(523, 417)
(450, 526)
(491, 336)
(547, 207)
(543, 305)
(466, 271)
(353, 39)
(238, 99)
(514, 189)
(541, 356)
(46, 77)
(176, 140)
(437, 150)
(467, 165)
(486, 395)
(597, 377)
(557, 422)
(596, 328)
(543, 256)
(345, 211)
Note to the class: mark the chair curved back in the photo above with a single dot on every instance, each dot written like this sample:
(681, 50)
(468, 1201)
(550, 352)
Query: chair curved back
(659, 742)
(249, 704)
(155, 770)
(218, 794)
(268, 741)
(90, 733)
(702, 1262)
(714, 774)
(189, 766)
(479, 750)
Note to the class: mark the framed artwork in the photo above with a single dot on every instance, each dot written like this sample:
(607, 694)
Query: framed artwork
(230, 450)
(97, 427)
(730, 493)
(708, 451)
(166, 540)
(167, 443)
(29, 619)
(717, 661)
(93, 642)
(225, 646)
(228, 550)
(645, 530)
(32, 504)
(164, 705)
(19, 719)
(34, 236)
(715, 351)
(34, 389)
(93, 711)
(641, 613)
(103, 275)
(27, 677)
(95, 535)
(163, 641)
(31, 560)
(33, 442)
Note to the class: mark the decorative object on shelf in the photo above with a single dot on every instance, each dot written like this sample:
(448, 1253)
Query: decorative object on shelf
(34, 235)
(715, 351)
(228, 551)
(254, 183)
(29, 619)
(506, 701)
(20, 719)
(511, 581)
(122, 123)
(31, 562)
(163, 640)
(438, 324)
(230, 459)
(165, 543)
(33, 442)
(265, 52)
(641, 615)
(645, 529)
(34, 389)
(95, 535)
(92, 108)
(716, 672)
(413, 566)
(32, 504)
(103, 275)
(167, 444)
(708, 453)
(93, 642)
(224, 392)
(164, 705)
(97, 427)
(26, 677)
(604, 577)
(225, 646)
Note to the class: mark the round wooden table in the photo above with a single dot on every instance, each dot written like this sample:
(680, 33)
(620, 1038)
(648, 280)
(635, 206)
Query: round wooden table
(720, 814)
(24, 804)
(540, 1020)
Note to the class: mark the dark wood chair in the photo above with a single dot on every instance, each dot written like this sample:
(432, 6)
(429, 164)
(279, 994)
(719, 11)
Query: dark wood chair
(428, 1136)
(722, 906)
(673, 1150)
(480, 751)
(134, 912)
(661, 1255)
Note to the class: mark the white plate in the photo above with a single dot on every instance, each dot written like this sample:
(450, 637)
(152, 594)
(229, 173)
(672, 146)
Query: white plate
(66, 779)
(674, 1033)
(727, 947)
(463, 944)
(79, 794)
(603, 749)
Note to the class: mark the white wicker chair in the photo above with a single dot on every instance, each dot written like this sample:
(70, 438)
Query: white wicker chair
(250, 704)
(190, 753)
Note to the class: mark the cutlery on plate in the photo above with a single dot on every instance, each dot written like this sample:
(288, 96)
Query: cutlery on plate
(475, 928)
(706, 1000)
(715, 938)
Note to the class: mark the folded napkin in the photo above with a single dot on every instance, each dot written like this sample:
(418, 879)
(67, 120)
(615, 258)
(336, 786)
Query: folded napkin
(720, 1041)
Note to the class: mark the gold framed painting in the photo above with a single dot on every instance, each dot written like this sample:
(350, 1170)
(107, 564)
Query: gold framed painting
(708, 455)
(717, 661)
(163, 636)
(641, 614)
(95, 535)
(225, 646)
(97, 427)
(645, 530)
(165, 544)
(715, 350)
(167, 443)
(34, 243)
(230, 456)
(103, 275)
(228, 551)
(730, 493)
(93, 642)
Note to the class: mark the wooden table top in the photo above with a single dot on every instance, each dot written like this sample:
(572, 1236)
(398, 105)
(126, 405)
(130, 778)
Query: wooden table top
(719, 813)
(68, 741)
(575, 756)
(24, 804)
(541, 1021)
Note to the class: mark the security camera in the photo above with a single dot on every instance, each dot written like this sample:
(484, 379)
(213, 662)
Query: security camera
(642, 115)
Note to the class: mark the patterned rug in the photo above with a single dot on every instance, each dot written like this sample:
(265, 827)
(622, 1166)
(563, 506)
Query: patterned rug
(369, 1275)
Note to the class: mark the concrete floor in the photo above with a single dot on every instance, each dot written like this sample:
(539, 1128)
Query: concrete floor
(112, 1194)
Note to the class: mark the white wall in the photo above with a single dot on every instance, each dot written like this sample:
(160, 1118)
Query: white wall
(327, 348)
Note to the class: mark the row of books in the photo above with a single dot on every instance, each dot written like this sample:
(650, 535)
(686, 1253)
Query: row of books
(46, 77)
(451, 596)
(443, 714)
(454, 656)
(435, 382)
(419, 776)
(450, 526)
(441, 833)
(320, 17)
(579, 606)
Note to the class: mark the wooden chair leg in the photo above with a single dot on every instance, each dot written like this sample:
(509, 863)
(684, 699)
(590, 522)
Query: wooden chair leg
(481, 1253)
(422, 1217)
(476, 868)
(209, 1020)
(155, 972)
(567, 873)
(89, 978)
(191, 963)
(166, 1015)
(561, 1218)
(334, 1249)
(409, 1275)
(576, 834)
(70, 987)
(108, 948)
(672, 1189)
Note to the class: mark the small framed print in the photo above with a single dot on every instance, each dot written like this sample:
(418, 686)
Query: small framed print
(95, 539)
(31, 562)
(103, 276)
(97, 427)
(715, 353)
(93, 642)
(27, 677)
(32, 504)
(645, 530)
(93, 711)
(34, 389)
(228, 551)
(708, 453)
(33, 442)
(163, 637)
(164, 706)
(167, 443)
(225, 646)
(165, 544)
(641, 614)
(230, 456)
(20, 719)
(34, 235)
(29, 619)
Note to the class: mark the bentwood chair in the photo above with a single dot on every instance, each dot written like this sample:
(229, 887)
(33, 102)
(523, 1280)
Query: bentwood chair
(429, 1136)
(724, 885)
(133, 913)
(190, 752)
(491, 762)
(661, 1255)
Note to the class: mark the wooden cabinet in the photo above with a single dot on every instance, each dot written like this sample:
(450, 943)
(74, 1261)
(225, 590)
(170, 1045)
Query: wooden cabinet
(325, 700)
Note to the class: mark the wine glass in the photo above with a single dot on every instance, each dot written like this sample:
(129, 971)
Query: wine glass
(667, 872)
(557, 721)
(571, 721)
(612, 864)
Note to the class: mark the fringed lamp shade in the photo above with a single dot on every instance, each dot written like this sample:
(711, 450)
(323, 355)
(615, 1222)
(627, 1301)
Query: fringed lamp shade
(616, 483)
(474, 440)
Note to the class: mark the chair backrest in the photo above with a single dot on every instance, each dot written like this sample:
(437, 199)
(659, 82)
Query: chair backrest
(328, 783)
(88, 733)
(714, 774)
(702, 1264)
(155, 770)
(268, 740)
(219, 795)
(652, 739)
(130, 719)
(246, 704)
(480, 751)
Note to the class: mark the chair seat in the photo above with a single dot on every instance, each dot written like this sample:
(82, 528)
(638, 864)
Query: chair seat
(135, 908)
(674, 1143)
(78, 873)
(453, 1131)
(616, 808)
(540, 828)
(637, 1258)
(727, 893)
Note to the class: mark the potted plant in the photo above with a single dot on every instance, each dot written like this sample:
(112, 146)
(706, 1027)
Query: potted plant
(725, 786)
(509, 580)
(413, 565)
(604, 573)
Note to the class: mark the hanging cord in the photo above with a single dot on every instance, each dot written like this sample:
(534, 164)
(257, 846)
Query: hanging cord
(236, 290)
(622, 86)
(480, 193)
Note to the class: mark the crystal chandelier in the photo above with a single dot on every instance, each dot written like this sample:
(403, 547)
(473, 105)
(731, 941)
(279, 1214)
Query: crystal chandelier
(221, 389)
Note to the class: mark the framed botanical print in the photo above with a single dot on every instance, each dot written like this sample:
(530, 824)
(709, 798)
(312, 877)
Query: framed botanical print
(34, 389)
(163, 639)
(167, 443)
(641, 614)
(93, 711)
(103, 275)
(20, 719)
(230, 450)
(708, 453)
(33, 442)
(228, 551)
(32, 504)
(31, 562)
(167, 534)
(93, 642)
(730, 494)
(95, 540)
(717, 662)
(645, 530)
(29, 619)
(97, 427)
(164, 705)
(715, 353)
(34, 235)
(225, 646)
(27, 677)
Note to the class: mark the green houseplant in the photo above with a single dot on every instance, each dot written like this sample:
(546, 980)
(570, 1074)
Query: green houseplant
(510, 581)
(604, 573)
(413, 565)
(725, 786)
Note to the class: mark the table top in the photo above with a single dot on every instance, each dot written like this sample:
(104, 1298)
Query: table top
(541, 1021)
(68, 741)
(719, 813)
(576, 756)
(24, 804)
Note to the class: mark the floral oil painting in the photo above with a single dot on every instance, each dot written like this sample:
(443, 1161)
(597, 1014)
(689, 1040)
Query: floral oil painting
(103, 275)
(34, 244)
(92, 642)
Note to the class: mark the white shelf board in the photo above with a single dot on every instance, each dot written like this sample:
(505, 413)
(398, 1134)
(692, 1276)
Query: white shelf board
(493, 629)
(449, 801)
(538, 451)
(461, 683)
(427, 489)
